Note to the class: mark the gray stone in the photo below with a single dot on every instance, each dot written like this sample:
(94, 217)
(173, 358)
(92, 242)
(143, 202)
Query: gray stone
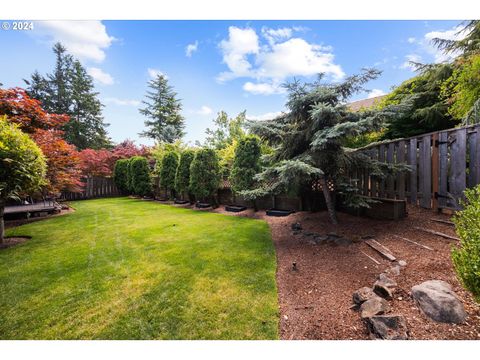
(296, 227)
(362, 295)
(384, 286)
(374, 306)
(402, 263)
(439, 302)
(387, 327)
(343, 242)
(394, 270)
(320, 238)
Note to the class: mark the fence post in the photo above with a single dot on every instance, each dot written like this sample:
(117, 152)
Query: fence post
(435, 172)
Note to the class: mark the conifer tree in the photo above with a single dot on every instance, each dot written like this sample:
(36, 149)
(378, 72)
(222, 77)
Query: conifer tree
(204, 174)
(69, 90)
(168, 171)
(162, 109)
(308, 142)
(182, 176)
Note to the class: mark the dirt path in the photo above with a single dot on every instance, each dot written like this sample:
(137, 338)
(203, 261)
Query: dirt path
(315, 299)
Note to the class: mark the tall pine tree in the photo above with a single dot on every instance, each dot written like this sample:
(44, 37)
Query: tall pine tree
(162, 108)
(69, 90)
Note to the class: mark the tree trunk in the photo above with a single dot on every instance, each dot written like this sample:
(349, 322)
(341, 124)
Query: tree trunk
(2, 227)
(328, 201)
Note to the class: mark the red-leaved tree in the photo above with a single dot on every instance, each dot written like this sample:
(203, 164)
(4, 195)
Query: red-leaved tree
(63, 161)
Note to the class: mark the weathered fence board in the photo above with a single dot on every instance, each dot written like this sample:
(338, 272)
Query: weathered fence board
(442, 165)
(94, 187)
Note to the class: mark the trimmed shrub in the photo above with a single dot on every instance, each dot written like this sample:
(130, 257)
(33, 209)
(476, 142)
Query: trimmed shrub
(168, 171)
(120, 175)
(246, 163)
(466, 257)
(204, 174)
(182, 176)
(139, 174)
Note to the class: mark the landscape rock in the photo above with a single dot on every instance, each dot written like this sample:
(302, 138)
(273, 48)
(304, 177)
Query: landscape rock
(362, 295)
(394, 270)
(439, 302)
(387, 327)
(374, 306)
(402, 263)
(384, 286)
(296, 227)
(342, 241)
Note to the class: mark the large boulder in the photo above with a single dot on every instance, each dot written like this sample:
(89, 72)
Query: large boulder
(437, 300)
(374, 306)
(387, 327)
(363, 294)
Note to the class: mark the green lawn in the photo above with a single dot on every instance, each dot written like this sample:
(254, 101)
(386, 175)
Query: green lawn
(130, 269)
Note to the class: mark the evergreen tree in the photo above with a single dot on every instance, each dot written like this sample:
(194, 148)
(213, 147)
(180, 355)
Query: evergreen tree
(162, 108)
(468, 45)
(167, 172)
(204, 174)
(246, 164)
(69, 90)
(139, 173)
(308, 142)
(425, 109)
(86, 128)
(182, 176)
(120, 175)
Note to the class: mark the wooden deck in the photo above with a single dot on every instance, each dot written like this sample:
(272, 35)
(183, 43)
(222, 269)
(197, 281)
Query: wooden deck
(47, 206)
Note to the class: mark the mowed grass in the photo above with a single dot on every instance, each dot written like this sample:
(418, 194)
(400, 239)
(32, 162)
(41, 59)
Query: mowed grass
(129, 269)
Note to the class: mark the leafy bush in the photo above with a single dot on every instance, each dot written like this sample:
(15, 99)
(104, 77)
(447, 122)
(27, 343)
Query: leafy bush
(204, 174)
(139, 174)
(466, 257)
(168, 170)
(22, 165)
(182, 176)
(120, 175)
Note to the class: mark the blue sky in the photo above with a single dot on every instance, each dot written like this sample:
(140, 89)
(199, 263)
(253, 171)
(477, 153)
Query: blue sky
(219, 65)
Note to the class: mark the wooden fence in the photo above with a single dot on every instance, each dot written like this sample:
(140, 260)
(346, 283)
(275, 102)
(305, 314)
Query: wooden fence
(443, 164)
(95, 187)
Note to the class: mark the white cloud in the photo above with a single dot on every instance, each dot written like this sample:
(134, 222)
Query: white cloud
(121, 102)
(408, 62)
(191, 48)
(411, 40)
(85, 40)
(266, 116)
(455, 33)
(240, 43)
(153, 73)
(100, 76)
(263, 88)
(271, 64)
(375, 92)
(204, 110)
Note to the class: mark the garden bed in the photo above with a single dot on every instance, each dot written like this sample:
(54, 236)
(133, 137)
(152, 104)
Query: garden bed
(279, 212)
(316, 298)
(235, 208)
(181, 202)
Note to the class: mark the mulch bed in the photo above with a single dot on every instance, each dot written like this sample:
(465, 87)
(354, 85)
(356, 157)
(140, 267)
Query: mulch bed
(315, 299)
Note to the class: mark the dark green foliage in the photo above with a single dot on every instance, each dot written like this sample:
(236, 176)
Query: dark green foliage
(70, 90)
(139, 174)
(164, 122)
(182, 176)
(466, 257)
(168, 170)
(246, 163)
(204, 174)
(120, 175)
(424, 109)
(468, 45)
(308, 140)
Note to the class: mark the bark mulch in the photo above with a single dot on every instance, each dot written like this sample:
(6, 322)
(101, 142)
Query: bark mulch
(316, 298)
